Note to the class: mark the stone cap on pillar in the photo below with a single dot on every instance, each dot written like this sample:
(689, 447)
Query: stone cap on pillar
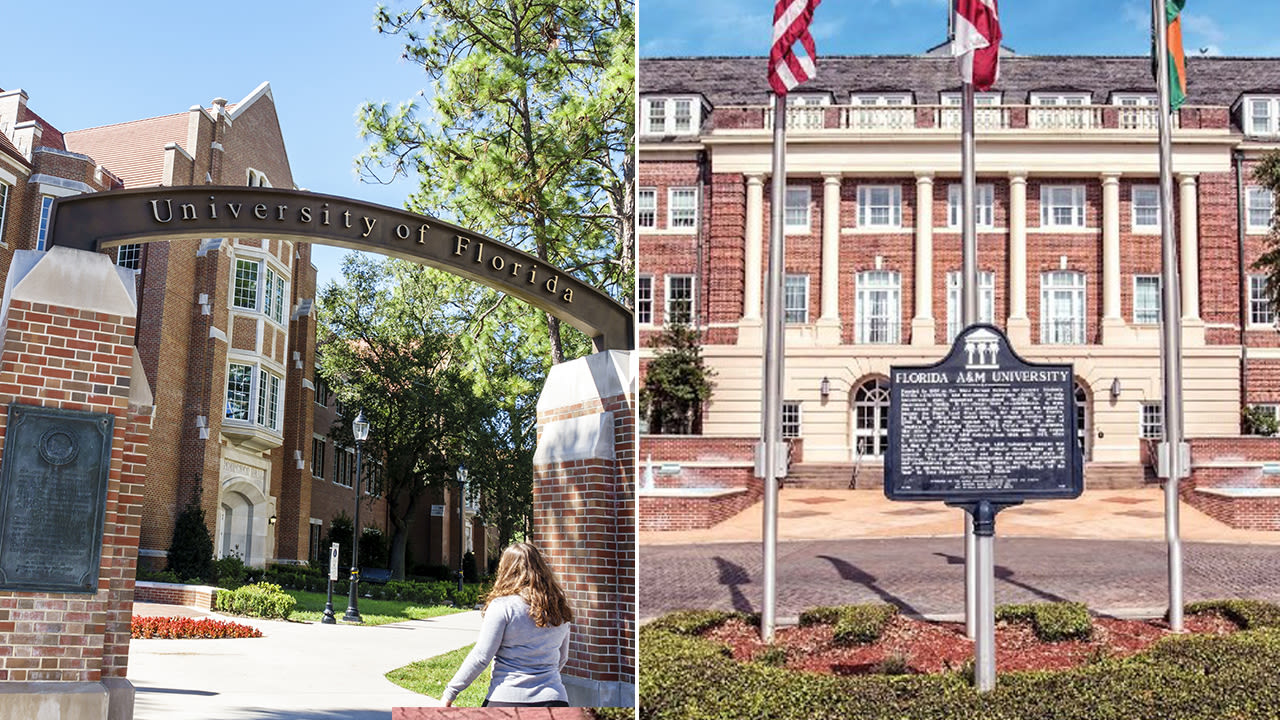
(595, 377)
(71, 278)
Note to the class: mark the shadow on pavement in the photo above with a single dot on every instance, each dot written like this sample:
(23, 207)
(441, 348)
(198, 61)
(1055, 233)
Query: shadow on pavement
(852, 573)
(174, 691)
(1005, 574)
(732, 575)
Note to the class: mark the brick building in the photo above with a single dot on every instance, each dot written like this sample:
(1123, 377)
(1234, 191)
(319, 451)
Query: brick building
(226, 336)
(1068, 245)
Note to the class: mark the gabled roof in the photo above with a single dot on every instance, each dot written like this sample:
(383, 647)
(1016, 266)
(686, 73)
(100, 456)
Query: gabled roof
(133, 150)
(1217, 81)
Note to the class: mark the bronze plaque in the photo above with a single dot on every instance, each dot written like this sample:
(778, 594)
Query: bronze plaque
(53, 492)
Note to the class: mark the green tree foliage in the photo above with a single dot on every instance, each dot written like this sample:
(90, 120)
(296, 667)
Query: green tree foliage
(676, 383)
(529, 132)
(191, 550)
(440, 384)
(1267, 174)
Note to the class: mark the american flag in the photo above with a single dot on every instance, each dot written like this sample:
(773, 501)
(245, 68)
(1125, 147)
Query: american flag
(791, 20)
(977, 42)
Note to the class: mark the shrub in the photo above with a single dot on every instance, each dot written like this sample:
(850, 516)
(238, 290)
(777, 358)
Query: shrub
(853, 623)
(1248, 614)
(691, 622)
(469, 596)
(1180, 678)
(164, 576)
(1052, 622)
(265, 600)
(230, 571)
(179, 628)
(775, 655)
(191, 550)
(894, 663)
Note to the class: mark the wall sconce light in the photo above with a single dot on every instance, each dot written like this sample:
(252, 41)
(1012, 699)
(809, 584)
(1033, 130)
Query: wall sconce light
(1115, 388)
(271, 520)
(824, 388)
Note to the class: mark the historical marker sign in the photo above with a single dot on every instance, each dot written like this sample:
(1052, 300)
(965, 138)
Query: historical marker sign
(982, 424)
(53, 488)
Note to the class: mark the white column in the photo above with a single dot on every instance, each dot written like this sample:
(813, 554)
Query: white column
(753, 262)
(829, 320)
(1188, 224)
(922, 326)
(1114, 329)
(1019, 324)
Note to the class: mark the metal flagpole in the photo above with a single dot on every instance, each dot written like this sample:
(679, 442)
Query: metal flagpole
(771, 424)
(979, 551)
(1172, 451)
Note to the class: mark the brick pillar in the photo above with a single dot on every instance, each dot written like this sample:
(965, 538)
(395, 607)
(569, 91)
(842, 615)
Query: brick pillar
(584, 517)
(68, 329)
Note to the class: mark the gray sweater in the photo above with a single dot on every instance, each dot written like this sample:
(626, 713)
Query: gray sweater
(526, 658)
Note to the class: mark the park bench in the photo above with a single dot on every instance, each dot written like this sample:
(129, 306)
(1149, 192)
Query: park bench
(375, 575)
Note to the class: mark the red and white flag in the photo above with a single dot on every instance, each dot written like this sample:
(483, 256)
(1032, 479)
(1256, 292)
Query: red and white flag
(977, 42)
(791, 20)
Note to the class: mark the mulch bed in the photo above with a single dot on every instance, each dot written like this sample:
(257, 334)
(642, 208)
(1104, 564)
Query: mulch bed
(918, 646)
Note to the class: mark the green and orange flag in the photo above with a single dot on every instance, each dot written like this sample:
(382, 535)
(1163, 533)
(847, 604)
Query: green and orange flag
(1177, 61)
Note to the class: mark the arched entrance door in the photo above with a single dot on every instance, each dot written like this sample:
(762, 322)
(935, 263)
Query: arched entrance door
(237, 527)
(1084, 420)
(869, 419)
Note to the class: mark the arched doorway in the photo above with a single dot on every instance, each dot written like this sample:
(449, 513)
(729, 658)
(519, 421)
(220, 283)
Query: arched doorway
(1084, 419)
(869, 418)
(237, 527)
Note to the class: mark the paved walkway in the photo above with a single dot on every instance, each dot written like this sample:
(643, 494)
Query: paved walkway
(305, 671)
(845, 514)
(925, 576)
(1105, 549)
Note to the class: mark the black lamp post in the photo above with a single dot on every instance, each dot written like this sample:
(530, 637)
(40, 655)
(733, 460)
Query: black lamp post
(462, 520)
(360, 430)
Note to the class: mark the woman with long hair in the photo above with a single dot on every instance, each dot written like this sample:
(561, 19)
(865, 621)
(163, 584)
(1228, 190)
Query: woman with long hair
(525, 633)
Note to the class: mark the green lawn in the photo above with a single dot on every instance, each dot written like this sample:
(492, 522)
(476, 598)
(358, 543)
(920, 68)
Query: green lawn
(429, 677)
(375, 612)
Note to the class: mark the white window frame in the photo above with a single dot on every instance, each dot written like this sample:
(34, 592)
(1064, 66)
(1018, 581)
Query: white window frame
(893, 208)
(1255, 195)
(42, 232)
(984, 196)
(1137, 111)
(1061, 99)
(1261, 314)
(258, 392)
(1152, 313)
(871, 329)
(871, 404)
(644, 299)
(651, 207)
(686, 223)
(668, 283)
(797, 199)
(130, 253)
(795, 286)
(955, 307)
(671, 122)
(270, 293)
(987, 114)
(1151, 420)
(4, 209)
(1152, 192)
(320, 441)
(1075, 285)
(792, 419)
(880, 99)
(1272, 106)
(1077, 207)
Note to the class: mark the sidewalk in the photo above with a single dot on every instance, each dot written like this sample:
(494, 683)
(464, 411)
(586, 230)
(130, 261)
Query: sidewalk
(302, 671)
(852, 514)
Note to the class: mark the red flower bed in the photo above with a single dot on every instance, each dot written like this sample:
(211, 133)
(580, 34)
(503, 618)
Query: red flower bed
(178, 628)
(917, 646)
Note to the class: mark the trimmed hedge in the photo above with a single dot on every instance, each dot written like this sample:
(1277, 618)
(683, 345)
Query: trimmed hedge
(1052, 622)
(854, 624)
(1180, 678)
(692, 622)
(1248, 614)
(265, 600)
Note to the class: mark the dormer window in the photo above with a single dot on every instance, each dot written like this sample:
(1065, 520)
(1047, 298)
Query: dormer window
(258, 179)
(881, 111)
(1138, 111)
(881, 99)
(1262, 116)
(986, 113)
(671, 115)
(1061, 111)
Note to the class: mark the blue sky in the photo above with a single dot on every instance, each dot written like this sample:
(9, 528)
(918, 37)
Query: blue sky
(887, 27)
(85, 64)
